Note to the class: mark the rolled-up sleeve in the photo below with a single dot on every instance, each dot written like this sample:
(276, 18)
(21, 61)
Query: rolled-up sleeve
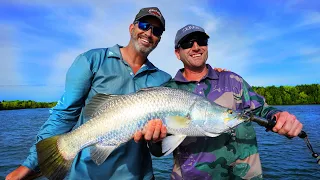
(65, 114)
(257, 102)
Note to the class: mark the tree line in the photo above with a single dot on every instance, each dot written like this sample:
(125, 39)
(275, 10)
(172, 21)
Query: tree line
(290, 95)
(9, 105)
(282, 95)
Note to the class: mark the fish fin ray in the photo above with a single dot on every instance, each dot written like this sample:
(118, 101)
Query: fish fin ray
(149, 88)
(92, 108)
(170, 143)
(51, 162)
(100, 152)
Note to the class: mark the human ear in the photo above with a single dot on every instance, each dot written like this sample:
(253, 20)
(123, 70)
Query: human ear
(131, 28)
(177, 52)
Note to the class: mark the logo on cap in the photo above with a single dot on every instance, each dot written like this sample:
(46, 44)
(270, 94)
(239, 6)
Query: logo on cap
(190, 28)
(155, 12)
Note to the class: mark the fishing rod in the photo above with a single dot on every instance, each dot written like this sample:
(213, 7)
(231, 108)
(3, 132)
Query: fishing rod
(269, 124)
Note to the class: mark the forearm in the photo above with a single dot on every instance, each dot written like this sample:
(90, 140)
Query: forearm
(257, 103)
(265, 111)
(65, 114)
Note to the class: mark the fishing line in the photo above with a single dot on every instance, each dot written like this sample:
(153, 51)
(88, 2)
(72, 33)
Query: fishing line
(269, 124)
(304, 136)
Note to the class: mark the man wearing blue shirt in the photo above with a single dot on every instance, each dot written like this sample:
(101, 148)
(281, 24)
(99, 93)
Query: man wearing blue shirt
(114, 70)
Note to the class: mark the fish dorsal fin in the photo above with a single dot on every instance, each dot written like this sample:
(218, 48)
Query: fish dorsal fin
(170, 143)
(148, 88)
(100, 152)
(92, 108)
(177, 122)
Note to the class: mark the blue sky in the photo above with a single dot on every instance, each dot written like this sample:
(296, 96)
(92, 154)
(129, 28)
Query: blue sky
(267, 42)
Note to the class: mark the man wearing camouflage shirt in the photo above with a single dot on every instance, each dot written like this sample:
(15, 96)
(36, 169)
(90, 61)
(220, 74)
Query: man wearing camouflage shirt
(232, 155)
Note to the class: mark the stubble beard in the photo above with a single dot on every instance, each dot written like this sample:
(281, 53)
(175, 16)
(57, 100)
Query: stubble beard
(196, 65)
(140, 48)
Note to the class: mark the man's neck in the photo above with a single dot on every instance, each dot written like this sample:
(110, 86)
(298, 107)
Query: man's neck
(195, 74)
(133, 58)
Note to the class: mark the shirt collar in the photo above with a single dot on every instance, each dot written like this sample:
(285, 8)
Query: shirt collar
(149, 65)
(114, 52)
(212, 74)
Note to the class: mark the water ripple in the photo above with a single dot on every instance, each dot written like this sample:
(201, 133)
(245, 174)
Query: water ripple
(281, 158)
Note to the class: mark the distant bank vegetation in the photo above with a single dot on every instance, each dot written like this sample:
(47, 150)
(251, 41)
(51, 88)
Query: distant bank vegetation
(8, 105)
(283, 95)
(290, 95)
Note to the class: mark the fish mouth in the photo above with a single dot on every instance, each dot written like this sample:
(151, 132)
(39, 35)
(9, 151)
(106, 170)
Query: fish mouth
(240, 115)
(246, 115)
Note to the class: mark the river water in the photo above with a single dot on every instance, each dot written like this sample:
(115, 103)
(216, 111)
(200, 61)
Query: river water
(281, 158)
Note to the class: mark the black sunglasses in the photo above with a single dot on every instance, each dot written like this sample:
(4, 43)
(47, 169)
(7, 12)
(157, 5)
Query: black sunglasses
(189, 44)
(145, 26)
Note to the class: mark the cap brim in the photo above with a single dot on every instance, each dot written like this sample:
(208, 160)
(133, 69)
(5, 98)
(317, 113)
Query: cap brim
(195, 32)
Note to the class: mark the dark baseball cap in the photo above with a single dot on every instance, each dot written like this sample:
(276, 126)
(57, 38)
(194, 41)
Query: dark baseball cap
(187, 30)
(150, 11)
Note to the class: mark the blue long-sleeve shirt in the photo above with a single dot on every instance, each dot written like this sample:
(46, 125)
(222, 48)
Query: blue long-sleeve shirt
(100, 71)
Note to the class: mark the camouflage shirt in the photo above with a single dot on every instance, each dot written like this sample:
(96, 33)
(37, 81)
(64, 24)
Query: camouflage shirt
(232, 155)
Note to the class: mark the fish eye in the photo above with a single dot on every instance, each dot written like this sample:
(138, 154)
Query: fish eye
(229, 111)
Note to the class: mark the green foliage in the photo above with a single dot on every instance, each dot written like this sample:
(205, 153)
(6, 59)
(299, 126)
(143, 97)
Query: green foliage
(8, 105)
(290, 95)
(283, 95)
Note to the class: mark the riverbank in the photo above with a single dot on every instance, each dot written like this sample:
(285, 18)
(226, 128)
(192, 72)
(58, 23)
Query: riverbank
(282, 95)
(12, 105)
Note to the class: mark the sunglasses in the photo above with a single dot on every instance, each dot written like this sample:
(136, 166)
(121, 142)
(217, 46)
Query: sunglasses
(189, 44)
(157, 31)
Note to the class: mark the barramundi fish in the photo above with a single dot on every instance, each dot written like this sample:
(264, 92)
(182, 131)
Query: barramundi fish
(113, 120)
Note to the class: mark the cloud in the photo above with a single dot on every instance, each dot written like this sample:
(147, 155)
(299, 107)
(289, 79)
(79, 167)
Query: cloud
(306, 76)
(314, 60)
(210, 23)
(60, 65)
(310, 19)
(273, 80)
(13, 85)
(102, 29)
(9, 69)
(309, 51)
(236, 44)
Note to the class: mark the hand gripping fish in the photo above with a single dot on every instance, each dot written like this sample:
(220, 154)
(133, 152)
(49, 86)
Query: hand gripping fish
(113, 120)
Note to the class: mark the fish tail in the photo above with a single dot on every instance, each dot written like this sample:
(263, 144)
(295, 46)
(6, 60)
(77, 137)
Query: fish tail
(51, 161)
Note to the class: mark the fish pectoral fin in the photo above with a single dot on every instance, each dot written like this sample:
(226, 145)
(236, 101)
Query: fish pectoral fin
(92, 108)
(170, 143)
(99, 152)
(177, 122)
(209, 134)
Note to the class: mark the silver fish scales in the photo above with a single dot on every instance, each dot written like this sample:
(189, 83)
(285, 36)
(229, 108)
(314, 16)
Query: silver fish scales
(113, 120)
